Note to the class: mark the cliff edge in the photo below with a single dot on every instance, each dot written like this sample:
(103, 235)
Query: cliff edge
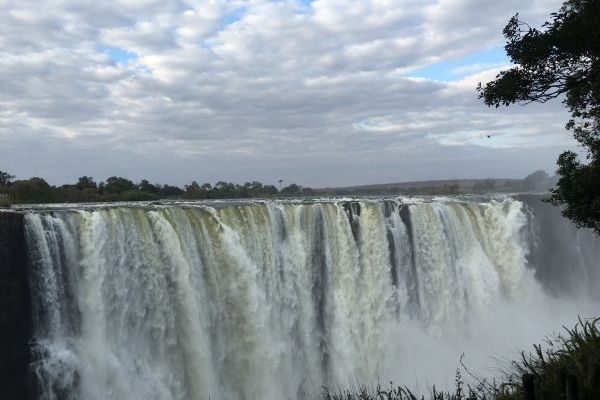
(15, 310)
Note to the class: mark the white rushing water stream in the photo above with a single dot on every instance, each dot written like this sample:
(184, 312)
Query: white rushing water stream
(273, 300)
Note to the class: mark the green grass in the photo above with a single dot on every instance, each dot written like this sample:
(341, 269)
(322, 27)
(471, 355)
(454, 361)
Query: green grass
(573, 355)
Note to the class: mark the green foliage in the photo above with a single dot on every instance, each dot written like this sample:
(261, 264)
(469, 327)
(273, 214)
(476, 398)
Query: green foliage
(574, 354)
(145, 186)
(294, 190)
(118, 185)
(228, 190)
(562, 60)
(86, 182)
(4, 201)
(37, 190)
(136, 195)
(34, 190)
(5, 179)
(70, 193)
(171, 191)
(462, 391)
(579, 188)
(291, 190)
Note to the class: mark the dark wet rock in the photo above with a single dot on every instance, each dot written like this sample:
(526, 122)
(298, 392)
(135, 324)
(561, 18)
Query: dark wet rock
(15, 310)
(565, 259)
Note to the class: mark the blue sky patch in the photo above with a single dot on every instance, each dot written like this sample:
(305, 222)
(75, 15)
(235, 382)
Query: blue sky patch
(118, 54)
(234, 16)
(238, 14)
(456, 69)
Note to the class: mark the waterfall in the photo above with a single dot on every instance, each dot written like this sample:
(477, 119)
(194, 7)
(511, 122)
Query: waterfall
(266, 300)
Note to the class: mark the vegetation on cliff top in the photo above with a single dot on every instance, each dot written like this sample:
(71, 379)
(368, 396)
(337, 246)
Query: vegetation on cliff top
(86, 189)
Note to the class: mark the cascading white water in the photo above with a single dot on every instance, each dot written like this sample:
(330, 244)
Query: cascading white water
(270, 300)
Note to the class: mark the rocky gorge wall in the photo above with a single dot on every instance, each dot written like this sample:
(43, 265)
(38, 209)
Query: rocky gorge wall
(15, 310)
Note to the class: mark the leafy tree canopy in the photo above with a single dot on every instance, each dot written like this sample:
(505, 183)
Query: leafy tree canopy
(146, 186)
(169, 190)
(86, 182)
(292, 190)
(561, 60)
(118, 185)
(37, 190)
(33, 190)
(5, 178)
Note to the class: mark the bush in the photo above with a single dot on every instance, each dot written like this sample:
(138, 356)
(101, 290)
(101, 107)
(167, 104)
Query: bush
(134, 195)
(572, 356)
(4, 202)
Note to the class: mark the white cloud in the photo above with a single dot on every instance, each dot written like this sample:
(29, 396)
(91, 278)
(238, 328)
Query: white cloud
(258, 90)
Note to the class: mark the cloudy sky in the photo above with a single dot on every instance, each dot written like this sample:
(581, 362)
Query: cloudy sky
(323, 92)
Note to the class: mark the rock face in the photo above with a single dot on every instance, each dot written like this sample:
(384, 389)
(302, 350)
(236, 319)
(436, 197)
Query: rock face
(565, 258)
(15, 311)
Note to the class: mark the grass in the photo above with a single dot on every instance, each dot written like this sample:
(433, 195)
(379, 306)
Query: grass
(573, 357)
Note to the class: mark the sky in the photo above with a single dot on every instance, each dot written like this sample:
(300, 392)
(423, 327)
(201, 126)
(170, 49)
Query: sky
(321, 93)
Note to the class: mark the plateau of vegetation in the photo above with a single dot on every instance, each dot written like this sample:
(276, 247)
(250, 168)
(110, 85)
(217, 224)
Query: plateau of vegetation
(86, 189)
(561, 60)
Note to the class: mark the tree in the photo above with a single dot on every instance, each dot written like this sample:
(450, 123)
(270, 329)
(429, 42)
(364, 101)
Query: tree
(192, 191)
(33, 190)
(168, 190)
(269, 190)
(146, 186)
(561, 61)
(291, 190)
(86, 182)
(118, 185)
(225, 190)
(5, 179)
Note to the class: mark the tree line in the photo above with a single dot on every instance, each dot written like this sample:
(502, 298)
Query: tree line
(537, 182)
(86, 189)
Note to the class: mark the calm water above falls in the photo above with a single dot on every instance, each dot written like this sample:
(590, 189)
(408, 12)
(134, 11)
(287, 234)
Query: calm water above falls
(272, 300)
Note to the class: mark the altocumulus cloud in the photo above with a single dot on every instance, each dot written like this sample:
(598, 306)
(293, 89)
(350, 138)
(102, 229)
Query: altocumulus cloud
(319, 92)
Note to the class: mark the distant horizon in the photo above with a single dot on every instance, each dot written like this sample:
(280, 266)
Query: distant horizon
(284, 182)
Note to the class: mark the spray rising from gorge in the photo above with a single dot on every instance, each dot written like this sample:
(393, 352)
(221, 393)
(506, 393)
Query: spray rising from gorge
(273, 300)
